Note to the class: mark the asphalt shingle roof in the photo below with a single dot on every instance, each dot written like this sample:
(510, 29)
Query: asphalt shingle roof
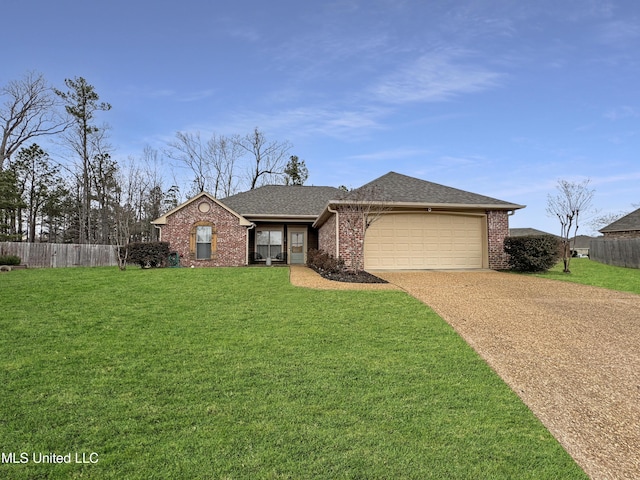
(282, 200)
(395, 187)
(523, 232)
(625, 224)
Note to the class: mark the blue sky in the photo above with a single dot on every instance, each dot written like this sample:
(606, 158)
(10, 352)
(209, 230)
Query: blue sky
(501, 98)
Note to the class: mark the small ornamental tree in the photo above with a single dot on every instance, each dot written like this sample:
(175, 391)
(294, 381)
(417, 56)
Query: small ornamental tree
(358, 209)
(532, 253)
(570, 204)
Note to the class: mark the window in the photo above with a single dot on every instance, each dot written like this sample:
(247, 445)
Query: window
(202, 242)
(269, 244)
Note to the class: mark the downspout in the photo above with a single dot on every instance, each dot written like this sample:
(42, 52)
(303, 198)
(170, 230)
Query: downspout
(335, 212)
(246, 250)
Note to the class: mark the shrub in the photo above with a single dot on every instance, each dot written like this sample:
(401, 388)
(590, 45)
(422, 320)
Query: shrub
(9, 260)
(532, 253)
(321, 261)
(148, 254)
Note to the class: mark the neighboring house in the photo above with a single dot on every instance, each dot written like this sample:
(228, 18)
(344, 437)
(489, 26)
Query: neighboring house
(525, 232)
(625, 227)
(580, 245)
(423, 225)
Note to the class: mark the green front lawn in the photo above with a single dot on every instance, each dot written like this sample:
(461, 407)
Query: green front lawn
(589, 272)
(236, 374)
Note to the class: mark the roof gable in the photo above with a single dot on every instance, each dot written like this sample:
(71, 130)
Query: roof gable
(163, 219)
(625, 224)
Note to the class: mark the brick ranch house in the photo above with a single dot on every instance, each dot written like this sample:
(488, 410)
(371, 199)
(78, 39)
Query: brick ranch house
(419, 225)
(625, 227)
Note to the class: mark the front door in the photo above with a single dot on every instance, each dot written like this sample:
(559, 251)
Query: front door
(296, 247)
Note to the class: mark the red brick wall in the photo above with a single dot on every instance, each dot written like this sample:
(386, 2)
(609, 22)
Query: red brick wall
(498, 230)
(231, 242)
(327, 236)
(351, 245)
(627, 234)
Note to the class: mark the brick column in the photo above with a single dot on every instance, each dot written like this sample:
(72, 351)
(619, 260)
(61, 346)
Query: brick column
(498, 230)
(351, 241)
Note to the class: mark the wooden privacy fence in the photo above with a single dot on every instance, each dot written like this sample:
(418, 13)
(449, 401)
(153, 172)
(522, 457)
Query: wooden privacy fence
(621, 252)
(61, 254)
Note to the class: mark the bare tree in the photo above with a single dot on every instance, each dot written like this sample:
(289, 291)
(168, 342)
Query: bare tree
(601, 220)
(572, 200)
(358, 209)
(212, 163)
(152, 205)
(28, 111)
(225, 154)
(268, 157)
(131, 193)
(190, 151)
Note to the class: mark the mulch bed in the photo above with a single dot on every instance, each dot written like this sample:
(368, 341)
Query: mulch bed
(351, 277)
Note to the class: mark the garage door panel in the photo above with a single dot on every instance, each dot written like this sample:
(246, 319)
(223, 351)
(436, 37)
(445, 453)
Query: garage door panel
(421, 241)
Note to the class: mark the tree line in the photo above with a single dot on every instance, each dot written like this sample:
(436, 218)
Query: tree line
(83, 193)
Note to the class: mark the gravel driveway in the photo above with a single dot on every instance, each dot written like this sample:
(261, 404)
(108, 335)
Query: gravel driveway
(571, 352)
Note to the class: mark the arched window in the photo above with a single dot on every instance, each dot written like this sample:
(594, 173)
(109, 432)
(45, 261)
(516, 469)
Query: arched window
(202, 241)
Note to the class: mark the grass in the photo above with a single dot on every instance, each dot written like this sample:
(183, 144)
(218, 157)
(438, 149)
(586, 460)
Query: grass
(236, 374)
(589, 272)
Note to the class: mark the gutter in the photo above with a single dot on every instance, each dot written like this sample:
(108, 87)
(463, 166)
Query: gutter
(246, 249)
(485, 206)
(335, 212)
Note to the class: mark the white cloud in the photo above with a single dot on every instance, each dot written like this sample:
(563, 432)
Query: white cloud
(622, 178)
(312, 120)
(394, 154)
(433, 78)
(619, 113)
(196, 96)
(167, 93)
(620, 32)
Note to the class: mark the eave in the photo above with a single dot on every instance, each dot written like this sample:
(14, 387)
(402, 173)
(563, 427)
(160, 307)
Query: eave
(441, 207)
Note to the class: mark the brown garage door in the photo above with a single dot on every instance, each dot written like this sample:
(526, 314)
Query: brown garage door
(424, 240)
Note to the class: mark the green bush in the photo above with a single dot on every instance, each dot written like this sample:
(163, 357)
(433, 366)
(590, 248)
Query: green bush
(148, 254)
(322, 262)
(9, 260)
(532, 253)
